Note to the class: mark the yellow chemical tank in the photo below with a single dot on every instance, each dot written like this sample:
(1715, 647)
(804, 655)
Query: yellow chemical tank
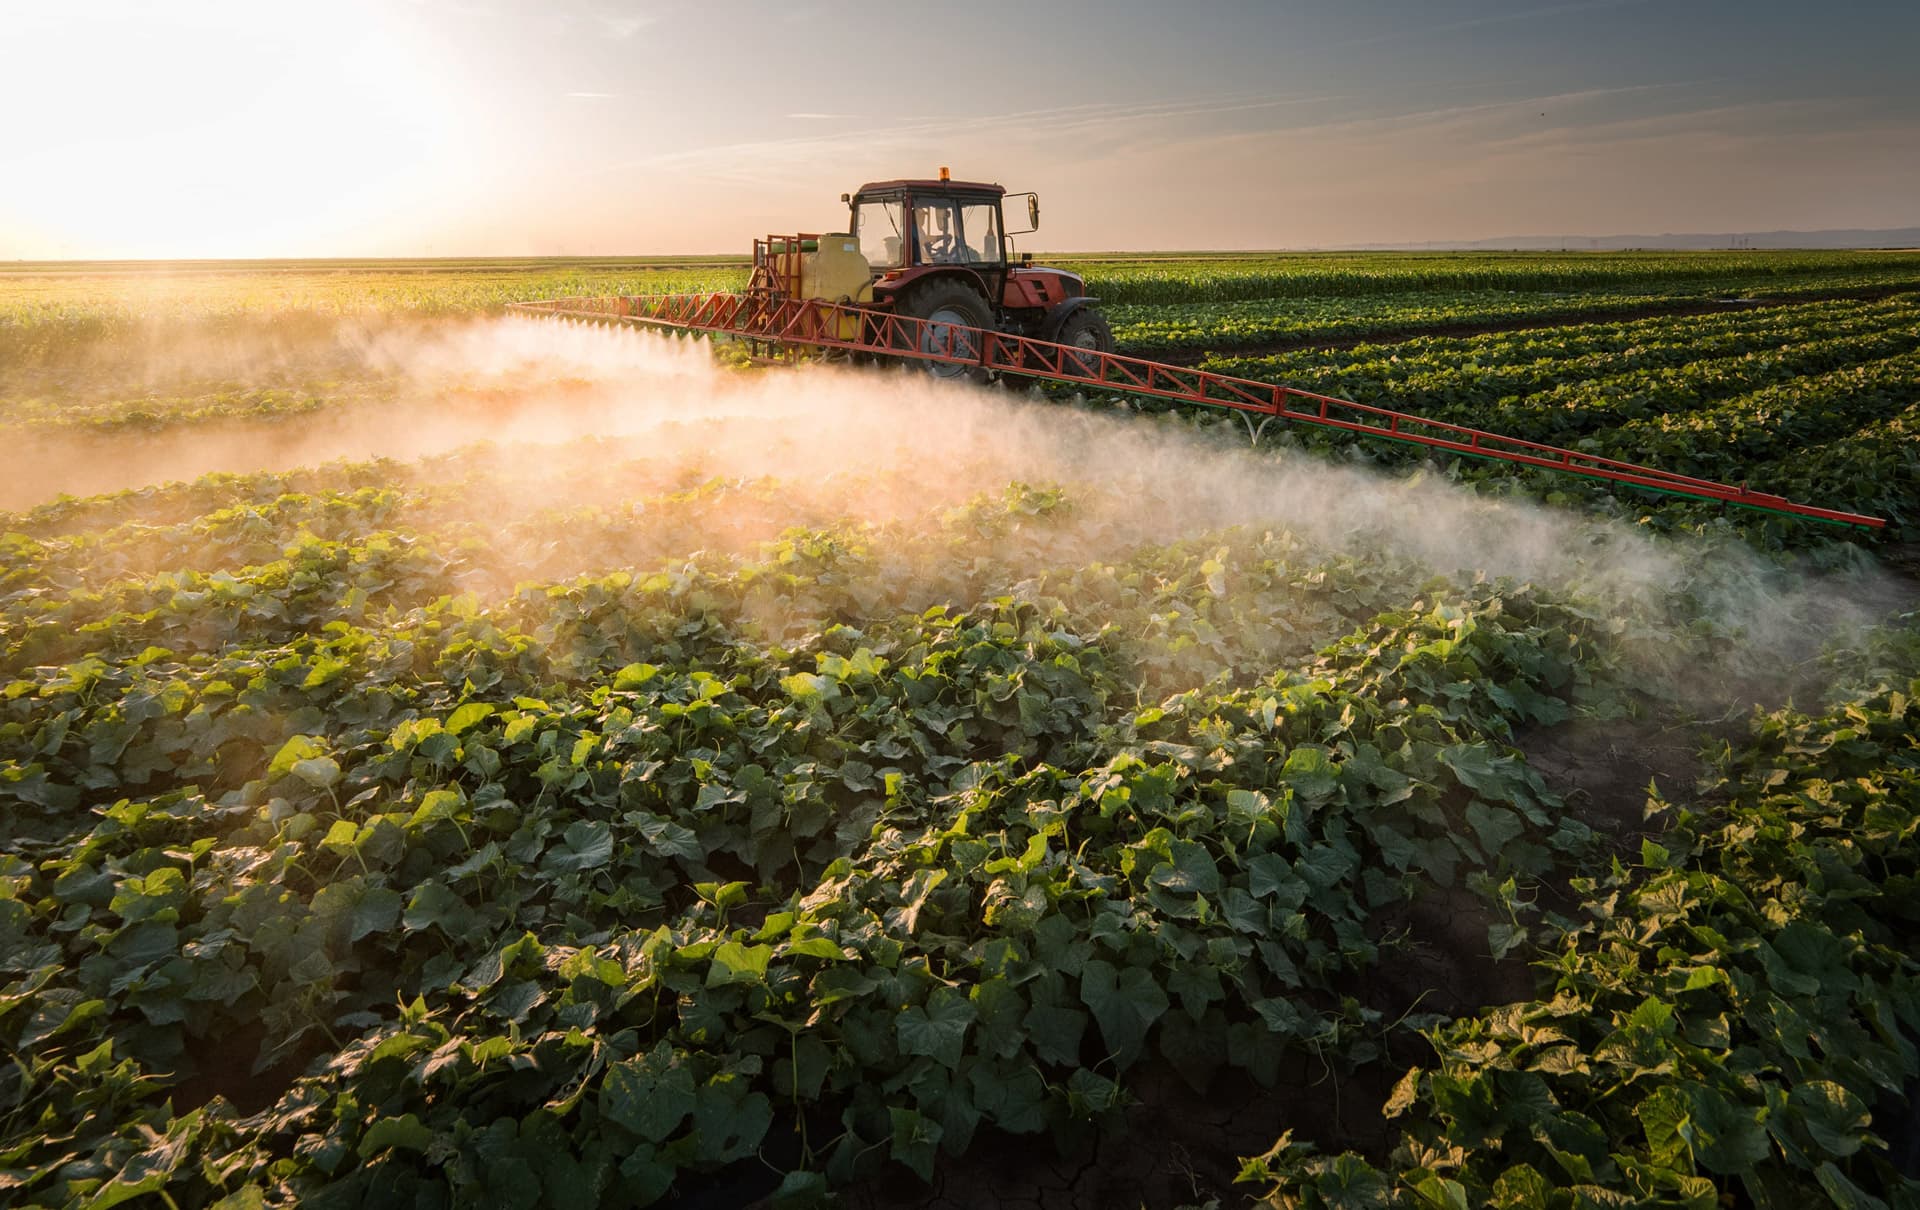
(835, 271)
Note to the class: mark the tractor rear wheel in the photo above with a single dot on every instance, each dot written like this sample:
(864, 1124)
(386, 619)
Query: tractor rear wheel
(1085, 329)
(948, 307)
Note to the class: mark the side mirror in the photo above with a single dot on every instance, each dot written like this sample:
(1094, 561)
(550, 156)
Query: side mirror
(846, 197)
(1033, 211)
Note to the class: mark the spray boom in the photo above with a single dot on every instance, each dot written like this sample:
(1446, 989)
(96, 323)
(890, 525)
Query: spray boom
(784, 327)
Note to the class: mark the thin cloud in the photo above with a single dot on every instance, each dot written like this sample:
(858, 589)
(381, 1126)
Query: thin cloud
(1761, 121)
(595, 96)
(1532, 14)
(624, 27)
(1486, 128)
(765, 163)
(749, 162)
(820, 117)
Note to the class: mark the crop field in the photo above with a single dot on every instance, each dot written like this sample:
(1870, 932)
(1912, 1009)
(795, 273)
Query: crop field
(452, 759)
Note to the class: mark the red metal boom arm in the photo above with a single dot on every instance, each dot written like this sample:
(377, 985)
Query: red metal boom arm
(800, 323)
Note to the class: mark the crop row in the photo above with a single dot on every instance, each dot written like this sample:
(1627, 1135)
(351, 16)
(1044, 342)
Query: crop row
(1537, 351)
(1827, 419)
(1194, 326)
(1542, 351)
(1635, 383)
(1387, 275)
(1650, 366)
(1702, 1034)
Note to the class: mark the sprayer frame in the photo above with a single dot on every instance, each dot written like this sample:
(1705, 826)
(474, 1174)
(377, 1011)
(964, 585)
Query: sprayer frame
(798, 327)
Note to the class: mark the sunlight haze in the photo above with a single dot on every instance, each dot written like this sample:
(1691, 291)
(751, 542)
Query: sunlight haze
(215, 128)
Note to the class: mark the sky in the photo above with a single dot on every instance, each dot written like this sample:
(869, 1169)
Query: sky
(265, 128)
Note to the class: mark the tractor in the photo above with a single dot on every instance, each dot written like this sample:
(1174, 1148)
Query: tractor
(939, 251)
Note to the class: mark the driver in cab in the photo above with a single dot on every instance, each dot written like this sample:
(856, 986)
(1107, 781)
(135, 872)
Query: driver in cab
(939, 244)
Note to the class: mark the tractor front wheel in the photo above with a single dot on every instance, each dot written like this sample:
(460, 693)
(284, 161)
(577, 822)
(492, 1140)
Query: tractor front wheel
(1085, 329)
(948, 309)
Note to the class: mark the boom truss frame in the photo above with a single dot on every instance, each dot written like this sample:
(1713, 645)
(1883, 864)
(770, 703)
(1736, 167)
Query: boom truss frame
(792, 327)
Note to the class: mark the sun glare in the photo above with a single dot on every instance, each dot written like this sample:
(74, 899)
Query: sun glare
(217, 129)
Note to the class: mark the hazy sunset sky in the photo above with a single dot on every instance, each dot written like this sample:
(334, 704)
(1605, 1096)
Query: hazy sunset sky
(493, 127)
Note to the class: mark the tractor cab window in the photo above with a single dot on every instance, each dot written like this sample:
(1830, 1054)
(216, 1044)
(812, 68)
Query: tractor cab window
(981, 225)
(937, 229)
(879, 228)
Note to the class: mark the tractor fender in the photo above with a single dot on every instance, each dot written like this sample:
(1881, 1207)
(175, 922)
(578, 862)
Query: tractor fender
(885, 291)
(1056, 317)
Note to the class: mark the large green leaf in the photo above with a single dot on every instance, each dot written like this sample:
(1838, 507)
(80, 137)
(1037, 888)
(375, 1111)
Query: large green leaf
(1125, 1003)
(651, 1095)
(1836, 1118)
(587, 844)
(939, 1029)
(1728, 1137)
(1309, 771)
(736, 963)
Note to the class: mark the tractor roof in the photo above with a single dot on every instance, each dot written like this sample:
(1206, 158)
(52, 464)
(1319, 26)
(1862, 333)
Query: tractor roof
(928, 186)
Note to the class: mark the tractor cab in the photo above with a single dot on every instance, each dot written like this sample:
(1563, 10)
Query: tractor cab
(913, 224)
(941, 249)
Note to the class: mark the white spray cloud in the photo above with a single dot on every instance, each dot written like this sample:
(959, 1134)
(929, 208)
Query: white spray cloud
(873, 445)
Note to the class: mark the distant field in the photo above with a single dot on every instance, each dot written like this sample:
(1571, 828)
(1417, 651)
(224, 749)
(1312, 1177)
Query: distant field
(84, 295)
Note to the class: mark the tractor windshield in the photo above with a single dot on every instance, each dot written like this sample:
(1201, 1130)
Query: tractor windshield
(877, 225)
(952, 232)
(981, 225)
(937, 233)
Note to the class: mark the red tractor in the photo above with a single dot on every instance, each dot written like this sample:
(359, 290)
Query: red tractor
(935, 250)
(940, 251)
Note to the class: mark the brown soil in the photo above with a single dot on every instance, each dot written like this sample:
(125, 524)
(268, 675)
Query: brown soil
(223, 1066)
(1442, 962)
(1603, 770)
(1902, 559)
(1178, 1146)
